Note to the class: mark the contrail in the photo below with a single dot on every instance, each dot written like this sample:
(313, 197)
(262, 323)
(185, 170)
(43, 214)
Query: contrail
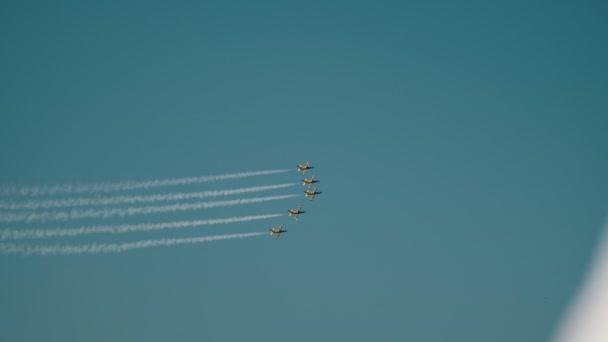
(122, 186)
(115, 200)
(43, 250)
(109, 212)
(14, 234)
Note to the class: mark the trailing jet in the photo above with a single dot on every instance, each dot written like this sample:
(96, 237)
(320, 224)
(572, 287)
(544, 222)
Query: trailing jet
(312, 193)
(277, 231)
(310, 181)
(296, 212)
(304, 167)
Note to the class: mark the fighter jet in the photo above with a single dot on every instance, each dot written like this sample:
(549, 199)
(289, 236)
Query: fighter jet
(277, 231)
(296, 212)
(304, 167)
(312, 193)
(310, 181)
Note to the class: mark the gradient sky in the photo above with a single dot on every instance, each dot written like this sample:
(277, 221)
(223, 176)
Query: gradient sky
(461, 147)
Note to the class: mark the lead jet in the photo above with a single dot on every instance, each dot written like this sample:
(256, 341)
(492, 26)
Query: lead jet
(296, 212)
(304, 167)
(310, 181)
(312, 193)
(277, 231)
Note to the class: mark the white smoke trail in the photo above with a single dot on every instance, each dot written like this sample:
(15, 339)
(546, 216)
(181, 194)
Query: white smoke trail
(122, 186)
(115, 200)
(15, 234)
(44, 250)
(109, 212)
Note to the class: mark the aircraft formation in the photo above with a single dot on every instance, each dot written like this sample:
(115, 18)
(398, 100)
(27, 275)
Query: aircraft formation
(87, 205)
(307, 193)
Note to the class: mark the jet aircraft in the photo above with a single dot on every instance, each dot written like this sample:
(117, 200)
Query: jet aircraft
(277, 231)
(312, 193)
(310, 181)
(304, 167)
(296, 212)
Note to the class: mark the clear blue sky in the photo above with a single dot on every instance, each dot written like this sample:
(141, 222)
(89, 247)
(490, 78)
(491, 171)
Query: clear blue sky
(461, 148)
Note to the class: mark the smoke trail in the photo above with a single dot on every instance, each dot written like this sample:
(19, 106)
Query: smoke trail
(109, 212)
(43, 250)
(115, 200)
(14, 234)
(122, 186)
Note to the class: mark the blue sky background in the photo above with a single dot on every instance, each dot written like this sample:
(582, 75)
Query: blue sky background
(461, 148)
